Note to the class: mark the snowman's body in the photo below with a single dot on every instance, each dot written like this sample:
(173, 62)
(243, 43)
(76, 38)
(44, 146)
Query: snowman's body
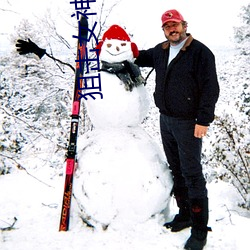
(122, 177)
(118, 108)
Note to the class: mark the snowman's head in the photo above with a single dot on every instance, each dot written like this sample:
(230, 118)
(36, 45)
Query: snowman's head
(116, 46)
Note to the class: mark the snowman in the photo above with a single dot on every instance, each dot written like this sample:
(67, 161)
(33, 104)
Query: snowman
(122, 178)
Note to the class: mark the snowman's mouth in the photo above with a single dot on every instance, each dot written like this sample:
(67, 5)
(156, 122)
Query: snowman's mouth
(116, 54)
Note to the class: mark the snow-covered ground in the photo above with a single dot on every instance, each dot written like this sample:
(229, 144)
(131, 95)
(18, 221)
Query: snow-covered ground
(37, 208)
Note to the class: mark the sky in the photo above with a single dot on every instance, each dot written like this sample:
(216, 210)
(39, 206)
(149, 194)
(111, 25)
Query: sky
(210, 22)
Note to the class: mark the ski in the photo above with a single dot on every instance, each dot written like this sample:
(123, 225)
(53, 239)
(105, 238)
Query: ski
(71, 160)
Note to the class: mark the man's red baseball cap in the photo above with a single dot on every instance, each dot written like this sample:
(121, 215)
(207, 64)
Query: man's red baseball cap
(171, 16)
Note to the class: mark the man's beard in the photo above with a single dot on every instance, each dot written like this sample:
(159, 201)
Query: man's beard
(182, 36)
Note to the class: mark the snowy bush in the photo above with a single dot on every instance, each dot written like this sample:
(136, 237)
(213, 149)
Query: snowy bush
(231, 153)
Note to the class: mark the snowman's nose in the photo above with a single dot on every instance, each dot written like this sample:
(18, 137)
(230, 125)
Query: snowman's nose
(117, 48)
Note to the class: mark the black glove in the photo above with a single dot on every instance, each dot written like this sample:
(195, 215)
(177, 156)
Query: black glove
(24, 47)
(135, 73)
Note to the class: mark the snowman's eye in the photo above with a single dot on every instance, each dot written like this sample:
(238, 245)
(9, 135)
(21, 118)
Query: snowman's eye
(123, 44)
(109, 45)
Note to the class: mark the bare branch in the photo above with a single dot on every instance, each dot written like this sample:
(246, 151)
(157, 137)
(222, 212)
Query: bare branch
(10, 227)
(19, 166)
(8, 11)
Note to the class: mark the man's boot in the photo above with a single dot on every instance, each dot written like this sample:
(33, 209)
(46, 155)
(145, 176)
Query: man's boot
(199, 215)
(182, 219)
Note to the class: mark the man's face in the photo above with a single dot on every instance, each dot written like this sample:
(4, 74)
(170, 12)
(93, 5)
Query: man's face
(174, 32)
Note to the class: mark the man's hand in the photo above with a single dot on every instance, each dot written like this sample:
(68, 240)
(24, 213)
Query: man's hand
(200, 131)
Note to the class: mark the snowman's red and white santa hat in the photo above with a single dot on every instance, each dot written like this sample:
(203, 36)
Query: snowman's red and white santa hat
(116, 32)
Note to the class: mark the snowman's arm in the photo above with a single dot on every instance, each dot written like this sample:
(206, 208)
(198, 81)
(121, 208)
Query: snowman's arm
(57, 60)
(149, 73)
(25, 47)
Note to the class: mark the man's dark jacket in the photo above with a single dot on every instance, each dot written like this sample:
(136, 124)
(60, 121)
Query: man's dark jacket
(187, 88)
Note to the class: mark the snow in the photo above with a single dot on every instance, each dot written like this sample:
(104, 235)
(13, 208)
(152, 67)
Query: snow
(130, 110)
(122, 182)
(118, 108)
(31, 198)
(37, 208)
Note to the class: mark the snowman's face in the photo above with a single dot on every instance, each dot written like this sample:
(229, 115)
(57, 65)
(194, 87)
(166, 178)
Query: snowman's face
(114, 51)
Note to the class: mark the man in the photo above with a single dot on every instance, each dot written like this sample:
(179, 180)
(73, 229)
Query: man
(186, 93)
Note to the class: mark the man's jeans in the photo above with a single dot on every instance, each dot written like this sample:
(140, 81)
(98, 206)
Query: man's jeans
(183, 152)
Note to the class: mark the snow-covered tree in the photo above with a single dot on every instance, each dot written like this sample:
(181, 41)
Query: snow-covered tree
(242, 33)
(35, 101)
(230, 154)
(36, 95)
